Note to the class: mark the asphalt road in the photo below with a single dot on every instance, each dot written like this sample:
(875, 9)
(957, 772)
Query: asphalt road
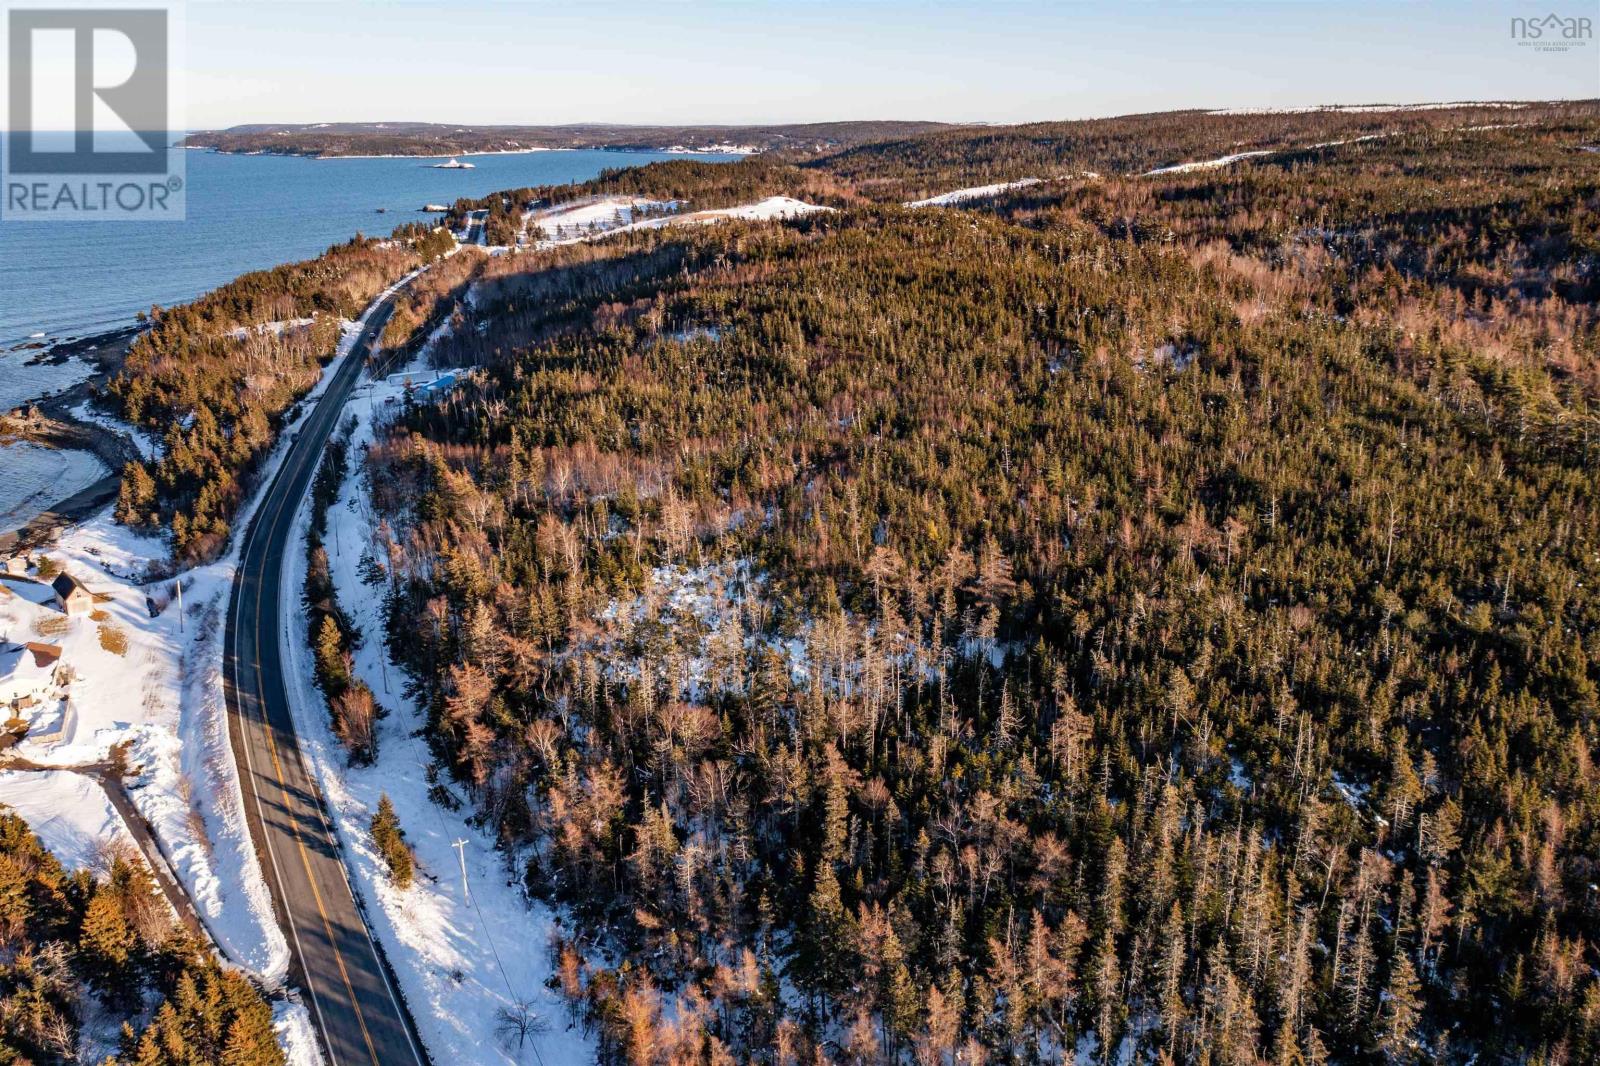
(347, 986)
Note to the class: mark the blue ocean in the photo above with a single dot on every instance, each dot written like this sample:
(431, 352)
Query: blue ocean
(245, 212)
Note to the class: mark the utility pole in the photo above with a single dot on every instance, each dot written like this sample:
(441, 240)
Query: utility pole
(461, 850)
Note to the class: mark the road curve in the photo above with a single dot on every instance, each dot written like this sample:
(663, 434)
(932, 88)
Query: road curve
(354, 1004)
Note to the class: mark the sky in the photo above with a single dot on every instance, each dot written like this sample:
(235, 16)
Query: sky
(755, 61)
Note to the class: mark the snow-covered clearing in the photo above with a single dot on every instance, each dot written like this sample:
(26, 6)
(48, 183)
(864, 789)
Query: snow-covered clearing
(1206, 164)
(70, 813)
(773, 207)
(589, 217)
(269, 328)
(607, 217)
(38, 476)
(155, 686)
(975, 192)
(459, 959)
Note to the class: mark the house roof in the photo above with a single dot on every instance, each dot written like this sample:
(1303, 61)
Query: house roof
(44, 654)
(26, 669)
(65, 585)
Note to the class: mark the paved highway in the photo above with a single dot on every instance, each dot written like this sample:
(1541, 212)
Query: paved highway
(347, 985)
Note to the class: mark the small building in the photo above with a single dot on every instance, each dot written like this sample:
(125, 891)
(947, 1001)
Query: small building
(16, 565)
(71, 596)
(33, 694)
(28, 673)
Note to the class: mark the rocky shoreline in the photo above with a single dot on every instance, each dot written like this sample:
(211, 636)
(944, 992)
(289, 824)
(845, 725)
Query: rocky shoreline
(50, 421)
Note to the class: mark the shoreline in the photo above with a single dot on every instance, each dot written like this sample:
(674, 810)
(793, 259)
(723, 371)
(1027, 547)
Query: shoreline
(60, 428)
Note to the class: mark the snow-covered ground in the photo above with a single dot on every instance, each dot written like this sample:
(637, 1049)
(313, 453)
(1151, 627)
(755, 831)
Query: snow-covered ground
(614, 215)
(75, 819)
(70, 813)
(586, 218)
(150, 447)
(1229, 160)
(155, 685)
(37, 476)
(772, 207)
(272, 328)
(1206, 164)
(975, 192)
(714, 149)
(460, 958)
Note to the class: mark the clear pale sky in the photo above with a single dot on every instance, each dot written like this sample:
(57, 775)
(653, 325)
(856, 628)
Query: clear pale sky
(745, 61)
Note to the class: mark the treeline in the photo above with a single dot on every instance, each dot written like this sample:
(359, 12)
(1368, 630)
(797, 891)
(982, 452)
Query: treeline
(352, 707)
(213, 379)
(67, 936)
(428, 301)
(1147, 619)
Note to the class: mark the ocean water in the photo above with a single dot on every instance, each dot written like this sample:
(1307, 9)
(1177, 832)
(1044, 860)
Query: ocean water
(37, 476)
(67, 279)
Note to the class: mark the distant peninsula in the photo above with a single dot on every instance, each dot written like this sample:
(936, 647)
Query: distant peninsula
(327, 139)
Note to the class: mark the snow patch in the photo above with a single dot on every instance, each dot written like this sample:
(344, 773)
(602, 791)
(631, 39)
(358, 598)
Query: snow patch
(1207, 164)
(976, 192)
(69, 812)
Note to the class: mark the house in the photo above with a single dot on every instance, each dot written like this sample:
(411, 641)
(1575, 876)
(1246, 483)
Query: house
(28, 673)
(71, 596)
(33, 689)
(16, 565)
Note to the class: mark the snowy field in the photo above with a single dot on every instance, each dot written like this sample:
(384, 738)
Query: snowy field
(587, 218)
(460, 956)
(773, 207)
(70, 814)
(37, 476)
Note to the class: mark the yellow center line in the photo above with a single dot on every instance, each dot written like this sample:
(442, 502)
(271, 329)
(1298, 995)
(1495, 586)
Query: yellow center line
(283, 790)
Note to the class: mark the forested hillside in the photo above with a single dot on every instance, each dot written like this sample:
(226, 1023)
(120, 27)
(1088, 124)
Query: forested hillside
(1142, 613)
(77, 948)
(915, 167)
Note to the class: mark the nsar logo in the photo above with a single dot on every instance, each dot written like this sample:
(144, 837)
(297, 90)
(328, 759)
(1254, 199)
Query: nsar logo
(1553, 33)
